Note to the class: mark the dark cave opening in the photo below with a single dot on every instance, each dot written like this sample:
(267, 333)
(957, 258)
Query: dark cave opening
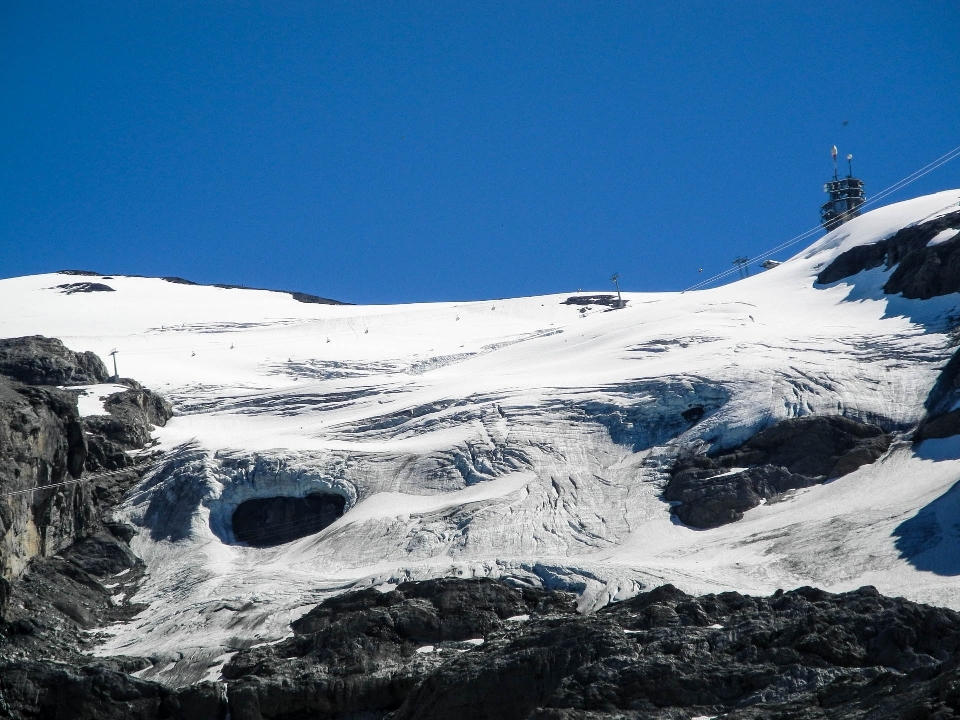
(269, 521)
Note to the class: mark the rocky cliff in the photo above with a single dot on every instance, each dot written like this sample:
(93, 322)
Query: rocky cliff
(46, 500)
(482, 649)
(42, 445)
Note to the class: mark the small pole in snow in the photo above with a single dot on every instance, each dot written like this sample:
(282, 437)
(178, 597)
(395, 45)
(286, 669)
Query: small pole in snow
(113, 354)
(616, 281)
(743, 266)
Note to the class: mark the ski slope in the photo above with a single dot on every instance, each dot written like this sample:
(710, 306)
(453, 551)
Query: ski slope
(514, 438)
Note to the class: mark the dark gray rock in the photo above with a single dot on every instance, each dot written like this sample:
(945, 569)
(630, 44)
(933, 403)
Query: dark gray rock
(41, 445)
(315, 299)
(133, 414)
(603, 299)
(46, 689)
(922, 273)
(357, 652)
(663, 654)
(942, 419)
(792, 454)
(84, 287)
(101, 555)
(38, 360)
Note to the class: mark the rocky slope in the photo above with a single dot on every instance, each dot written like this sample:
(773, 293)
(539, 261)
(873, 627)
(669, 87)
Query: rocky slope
(717, 488)
(66, 566)
(485, 650)
(45, 447)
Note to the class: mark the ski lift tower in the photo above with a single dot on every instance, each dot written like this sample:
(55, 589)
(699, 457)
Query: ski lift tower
(846, 196)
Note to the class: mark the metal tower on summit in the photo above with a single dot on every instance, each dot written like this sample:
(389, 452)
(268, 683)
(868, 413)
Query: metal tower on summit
(846, 196)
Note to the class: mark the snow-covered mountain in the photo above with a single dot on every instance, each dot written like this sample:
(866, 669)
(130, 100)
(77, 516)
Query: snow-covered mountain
(526, 438)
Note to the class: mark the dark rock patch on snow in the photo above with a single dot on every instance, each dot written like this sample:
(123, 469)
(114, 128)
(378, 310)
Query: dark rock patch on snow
(923, 272)
(133, 414)
(93, 287)
(269, 521)
(314, 299)
(85, 287)
(939, 426)
(298, 296)
(607, 300)
(796, 453)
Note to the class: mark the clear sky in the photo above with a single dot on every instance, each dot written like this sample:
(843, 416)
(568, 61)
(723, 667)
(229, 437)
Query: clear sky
(384, 152)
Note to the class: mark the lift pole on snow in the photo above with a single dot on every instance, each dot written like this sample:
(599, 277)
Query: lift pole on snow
(113, 354)
(743, 266)
(616, 281)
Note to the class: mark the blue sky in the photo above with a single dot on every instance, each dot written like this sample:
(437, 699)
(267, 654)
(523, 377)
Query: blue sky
(402, 151)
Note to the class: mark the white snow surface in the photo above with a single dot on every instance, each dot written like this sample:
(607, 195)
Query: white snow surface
(90, 398)
(516, 438)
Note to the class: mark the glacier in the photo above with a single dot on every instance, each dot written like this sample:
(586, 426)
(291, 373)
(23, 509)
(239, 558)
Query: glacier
(527, 439)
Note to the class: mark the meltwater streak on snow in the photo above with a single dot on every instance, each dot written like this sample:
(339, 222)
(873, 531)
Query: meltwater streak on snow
(514, 438)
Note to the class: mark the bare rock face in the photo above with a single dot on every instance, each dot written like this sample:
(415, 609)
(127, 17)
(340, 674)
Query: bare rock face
(132, 416)
(358, 652)
(64, 568)
(44, 671)
(41, 444)
(922, 272)
(415, 653)
(792, 454)
(45, 445)
(38, 360)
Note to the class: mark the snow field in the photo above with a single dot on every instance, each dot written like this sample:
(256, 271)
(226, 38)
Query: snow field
(512, 438)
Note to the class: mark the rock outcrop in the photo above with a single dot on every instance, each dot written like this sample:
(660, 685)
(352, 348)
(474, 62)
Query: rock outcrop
(480, 649)
(38, 360)
(45, 638)
(364, 651)
(796, 453)
(45, 447)
(923, 271)
(65, 567)
(42, 445)
(132, 416)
